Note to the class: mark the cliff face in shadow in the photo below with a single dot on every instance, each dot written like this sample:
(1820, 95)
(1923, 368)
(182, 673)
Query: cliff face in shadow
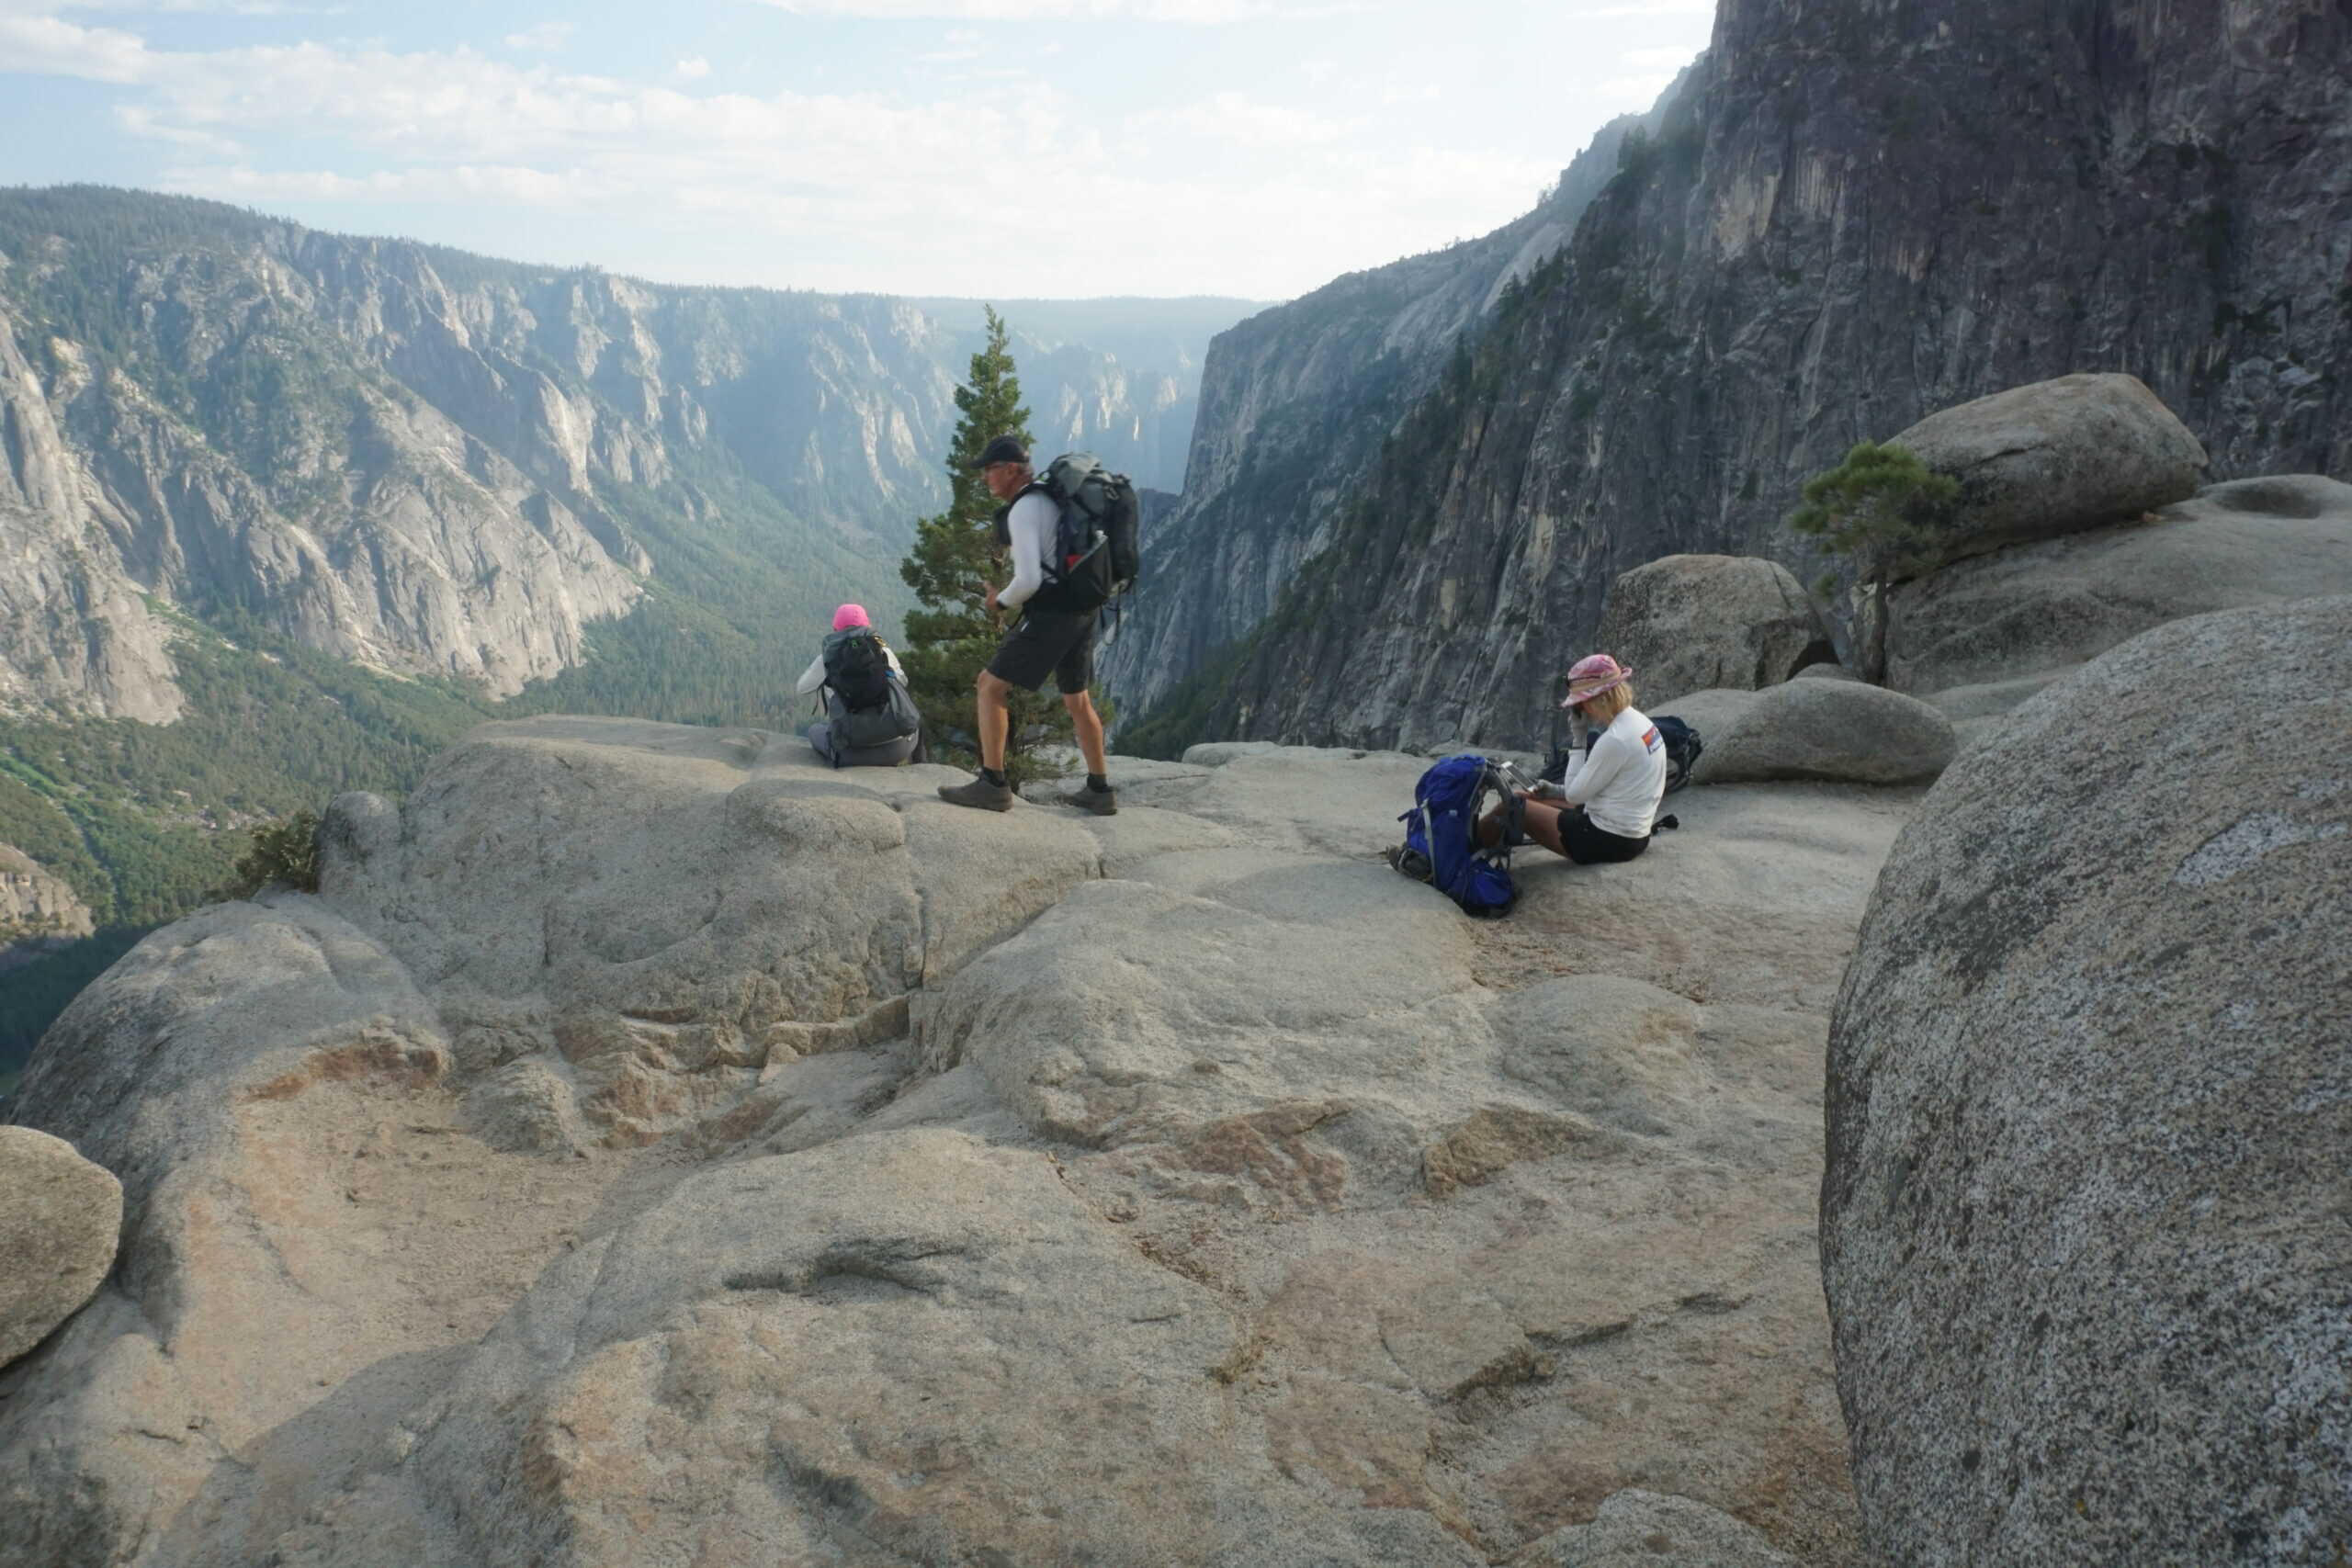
(1851, 217)
(1295, 403)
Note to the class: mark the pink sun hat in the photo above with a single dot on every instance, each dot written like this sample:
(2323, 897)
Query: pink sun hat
(849, 615)
(1587, 678)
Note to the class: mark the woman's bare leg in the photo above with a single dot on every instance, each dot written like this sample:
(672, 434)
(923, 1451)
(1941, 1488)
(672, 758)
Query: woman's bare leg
(1539, 822)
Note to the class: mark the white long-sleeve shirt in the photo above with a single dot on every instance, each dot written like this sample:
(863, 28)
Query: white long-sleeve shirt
(1034, 521)
(1621, 779)
(814, 676)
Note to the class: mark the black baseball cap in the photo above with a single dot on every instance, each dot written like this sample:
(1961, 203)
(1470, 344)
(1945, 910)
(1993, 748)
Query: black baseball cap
(1002, 449)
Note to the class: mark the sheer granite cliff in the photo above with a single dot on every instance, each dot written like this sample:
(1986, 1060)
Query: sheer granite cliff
(431, 462)
(1293, 404)
(1850, 218)
(38, 912)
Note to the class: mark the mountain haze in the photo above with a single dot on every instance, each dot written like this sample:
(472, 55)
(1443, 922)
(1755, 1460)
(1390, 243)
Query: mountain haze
(1120, 378)
(1296, 402)
(434, 463)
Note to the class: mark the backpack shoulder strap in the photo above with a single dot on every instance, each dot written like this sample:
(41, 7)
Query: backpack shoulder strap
(1001, 520)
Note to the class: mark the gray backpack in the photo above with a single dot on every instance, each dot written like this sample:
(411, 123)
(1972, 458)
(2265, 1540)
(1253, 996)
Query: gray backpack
(857, 729)
(1101, 518)
(868, 704)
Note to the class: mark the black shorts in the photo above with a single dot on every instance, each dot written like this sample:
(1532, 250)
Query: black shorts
(1048, 643)
(1589, 845)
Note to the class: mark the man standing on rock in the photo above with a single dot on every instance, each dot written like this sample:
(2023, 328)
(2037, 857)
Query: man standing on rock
(1047, 639)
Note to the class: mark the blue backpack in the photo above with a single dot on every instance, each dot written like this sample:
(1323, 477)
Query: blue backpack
(1442, 836)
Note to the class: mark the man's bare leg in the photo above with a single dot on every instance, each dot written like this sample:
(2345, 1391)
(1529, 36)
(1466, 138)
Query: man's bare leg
(1088, 726)
(995, 718)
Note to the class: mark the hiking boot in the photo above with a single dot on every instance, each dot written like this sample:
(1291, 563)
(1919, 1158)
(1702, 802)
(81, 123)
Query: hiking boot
(979, 793)
(1086, 798)
(1412, 862)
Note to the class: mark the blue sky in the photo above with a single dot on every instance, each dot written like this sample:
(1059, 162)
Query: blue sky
(997, 148)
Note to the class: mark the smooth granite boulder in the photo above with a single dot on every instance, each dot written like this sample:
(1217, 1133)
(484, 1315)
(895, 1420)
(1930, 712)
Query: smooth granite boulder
(232, 1070)
(1694, 623)
(927, 1342)
(1644, 1529)
(59, 1217)
(2084, 1230)
(670, 907)
(2056, 457)
(2042, 609)
(1829, 729)
(1711, 713)
(1218, 753)
(652, 1145)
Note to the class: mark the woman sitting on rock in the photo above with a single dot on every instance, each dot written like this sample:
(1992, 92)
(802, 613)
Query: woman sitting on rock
(1603, 809)
(870, 720)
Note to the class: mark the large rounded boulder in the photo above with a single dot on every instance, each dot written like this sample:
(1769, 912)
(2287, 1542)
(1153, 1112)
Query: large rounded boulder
(2083, 1221)
(1695, 623)
(1843, 731)
(2057, 458)
(59, 1216)
(2044, 608)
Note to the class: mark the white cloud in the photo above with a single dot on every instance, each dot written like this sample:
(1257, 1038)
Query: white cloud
(693, 68)
(222, 7)
(960, 45)
(1621, 94)
(142, 121)
(38, 45)
(839, 189)
(1644, 8)
(462, 182)
(176, 7)
(1194, 11)
(1230, 117)
(545, 37)
(1654, 59)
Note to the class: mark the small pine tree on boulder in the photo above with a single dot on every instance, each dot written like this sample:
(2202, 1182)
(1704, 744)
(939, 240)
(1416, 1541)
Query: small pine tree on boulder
(1879, 507)
(954, 634)
(284, 854)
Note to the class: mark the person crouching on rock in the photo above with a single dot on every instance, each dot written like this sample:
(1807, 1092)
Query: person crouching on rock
(1046, 640)
(1603, 809)
(870, 719)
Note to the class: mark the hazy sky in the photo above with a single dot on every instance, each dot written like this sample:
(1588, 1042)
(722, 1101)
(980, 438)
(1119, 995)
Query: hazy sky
(994, 148)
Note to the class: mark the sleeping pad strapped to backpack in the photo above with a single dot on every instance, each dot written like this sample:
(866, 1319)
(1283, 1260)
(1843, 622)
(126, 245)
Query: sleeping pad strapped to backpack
(1442, 830)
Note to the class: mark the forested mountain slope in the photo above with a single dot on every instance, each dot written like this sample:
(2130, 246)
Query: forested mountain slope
(433, 462)
(1853, 216)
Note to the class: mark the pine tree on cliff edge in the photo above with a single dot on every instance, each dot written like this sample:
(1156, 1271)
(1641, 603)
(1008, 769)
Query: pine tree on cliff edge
(952, 637)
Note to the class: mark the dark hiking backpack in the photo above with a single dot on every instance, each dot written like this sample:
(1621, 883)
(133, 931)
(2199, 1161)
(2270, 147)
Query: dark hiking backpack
(857, 668)
(868, 706)
(1097, 544)
(1682, 749)
(1442, 844)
